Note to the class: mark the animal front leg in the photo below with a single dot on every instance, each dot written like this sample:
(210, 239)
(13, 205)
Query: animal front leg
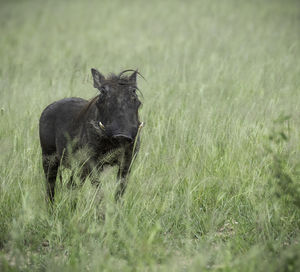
(122, 184)
(90, 170)
(123, 172)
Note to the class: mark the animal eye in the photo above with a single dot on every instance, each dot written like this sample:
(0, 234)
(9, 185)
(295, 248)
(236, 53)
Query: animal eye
(104, 89)
(132, 89)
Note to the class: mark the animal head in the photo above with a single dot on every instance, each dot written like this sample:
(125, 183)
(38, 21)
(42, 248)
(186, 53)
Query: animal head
(118, 105)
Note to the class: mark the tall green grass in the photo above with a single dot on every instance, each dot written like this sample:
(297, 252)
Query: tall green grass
(216, 183)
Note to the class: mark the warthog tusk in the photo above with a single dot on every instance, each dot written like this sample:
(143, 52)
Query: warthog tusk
(141, 125)
(101, 126)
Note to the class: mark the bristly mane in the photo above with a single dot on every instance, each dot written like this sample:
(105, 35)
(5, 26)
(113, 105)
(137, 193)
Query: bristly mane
(121, 78)
(112, 79)
(86, 108)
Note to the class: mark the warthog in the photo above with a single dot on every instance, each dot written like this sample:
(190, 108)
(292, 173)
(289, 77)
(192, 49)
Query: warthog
(107, 127)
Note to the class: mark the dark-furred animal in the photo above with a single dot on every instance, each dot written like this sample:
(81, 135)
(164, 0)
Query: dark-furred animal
(107, 127)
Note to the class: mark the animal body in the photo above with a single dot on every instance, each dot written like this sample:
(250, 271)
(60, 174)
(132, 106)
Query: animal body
(107, 124)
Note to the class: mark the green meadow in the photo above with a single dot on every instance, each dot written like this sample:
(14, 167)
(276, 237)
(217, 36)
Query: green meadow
(216, 184)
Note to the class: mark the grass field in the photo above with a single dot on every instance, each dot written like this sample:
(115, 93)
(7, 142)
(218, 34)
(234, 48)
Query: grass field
(216, 185)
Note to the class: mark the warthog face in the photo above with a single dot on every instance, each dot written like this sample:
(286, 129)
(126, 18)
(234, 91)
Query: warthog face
(118, 106)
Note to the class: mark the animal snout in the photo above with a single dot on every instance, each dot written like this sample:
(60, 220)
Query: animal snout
(122, 138)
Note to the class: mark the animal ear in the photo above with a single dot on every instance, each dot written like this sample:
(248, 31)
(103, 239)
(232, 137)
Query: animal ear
(132, 77)
(98, 78)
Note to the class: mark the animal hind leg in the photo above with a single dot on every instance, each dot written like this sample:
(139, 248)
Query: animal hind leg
(50, 165)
